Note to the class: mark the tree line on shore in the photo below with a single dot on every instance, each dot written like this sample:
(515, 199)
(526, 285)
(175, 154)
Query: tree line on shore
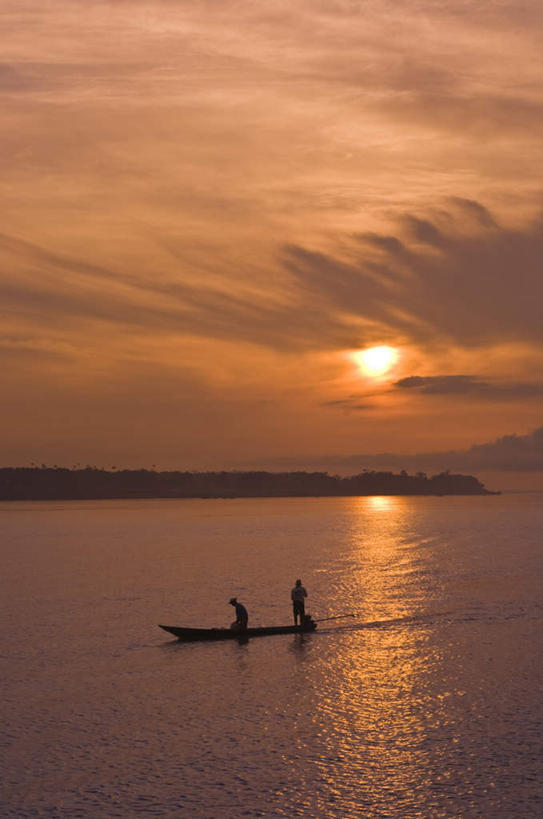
(59, 483)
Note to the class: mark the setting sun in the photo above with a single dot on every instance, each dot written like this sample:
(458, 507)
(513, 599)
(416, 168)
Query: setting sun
(376, 361)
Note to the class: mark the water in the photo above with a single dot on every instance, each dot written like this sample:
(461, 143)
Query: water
(429, 704)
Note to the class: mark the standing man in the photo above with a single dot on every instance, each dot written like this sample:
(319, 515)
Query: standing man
(242, 618)
(298, 595)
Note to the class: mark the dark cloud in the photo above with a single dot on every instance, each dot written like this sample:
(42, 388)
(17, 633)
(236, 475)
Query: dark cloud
(390, 244)
(348, 404)
(473, 283)
(439, 384)
(424, 231)
(466, 385)
(338, 402)
(475, 211)
(510, 453)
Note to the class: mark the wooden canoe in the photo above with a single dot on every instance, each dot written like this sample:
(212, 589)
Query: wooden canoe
(193, 634)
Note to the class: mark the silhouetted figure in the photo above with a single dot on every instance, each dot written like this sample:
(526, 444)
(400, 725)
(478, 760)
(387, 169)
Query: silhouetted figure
(242, 618)
(298, 595)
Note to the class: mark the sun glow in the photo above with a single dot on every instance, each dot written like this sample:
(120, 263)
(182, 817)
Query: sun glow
(376, 361)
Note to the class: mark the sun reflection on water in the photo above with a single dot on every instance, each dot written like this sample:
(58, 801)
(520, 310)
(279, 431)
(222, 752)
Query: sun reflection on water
(380, 503)
(374, 700)
(382, 565)
(374, 693)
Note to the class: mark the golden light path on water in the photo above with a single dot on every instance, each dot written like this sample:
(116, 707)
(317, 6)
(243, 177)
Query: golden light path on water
(376, 697)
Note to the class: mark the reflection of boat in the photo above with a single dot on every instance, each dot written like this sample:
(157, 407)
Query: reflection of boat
(193, 634)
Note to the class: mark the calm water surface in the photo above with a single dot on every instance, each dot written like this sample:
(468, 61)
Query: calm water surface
(428, 704)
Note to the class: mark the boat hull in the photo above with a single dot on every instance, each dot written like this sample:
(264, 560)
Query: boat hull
(197, 634)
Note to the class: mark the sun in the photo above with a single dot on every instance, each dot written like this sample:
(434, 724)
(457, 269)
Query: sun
(376, 361)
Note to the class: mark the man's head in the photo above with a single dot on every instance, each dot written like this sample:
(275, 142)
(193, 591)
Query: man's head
(233, 601)
(298, 582)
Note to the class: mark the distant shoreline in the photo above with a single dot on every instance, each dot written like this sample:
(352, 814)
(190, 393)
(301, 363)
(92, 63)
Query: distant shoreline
(57, 483)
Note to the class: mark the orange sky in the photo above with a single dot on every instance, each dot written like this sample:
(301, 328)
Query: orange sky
(207, 206)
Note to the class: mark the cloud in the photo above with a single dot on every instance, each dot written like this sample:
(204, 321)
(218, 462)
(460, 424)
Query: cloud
(437, 282)
(348, 404)
(52, 288)
(509, 453)
(453, 275)
(466, 385)
(476, 211)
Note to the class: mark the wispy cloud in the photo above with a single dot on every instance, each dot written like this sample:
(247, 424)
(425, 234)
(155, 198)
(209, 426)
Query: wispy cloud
(440, 280)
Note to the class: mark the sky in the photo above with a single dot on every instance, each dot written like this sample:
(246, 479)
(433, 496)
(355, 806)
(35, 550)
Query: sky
(211, 208)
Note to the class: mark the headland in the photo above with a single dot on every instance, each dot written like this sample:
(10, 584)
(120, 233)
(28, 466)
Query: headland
(91, 483)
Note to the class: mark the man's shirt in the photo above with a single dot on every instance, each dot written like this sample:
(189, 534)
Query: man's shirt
(298, 593)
